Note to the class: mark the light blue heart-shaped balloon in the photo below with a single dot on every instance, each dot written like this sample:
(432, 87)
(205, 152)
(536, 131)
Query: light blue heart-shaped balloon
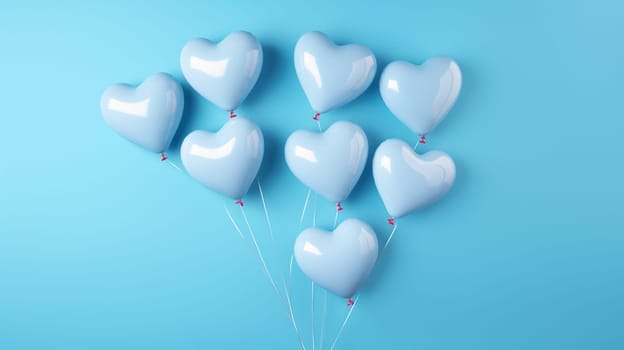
(331, 75)
(147, 115)
(227, 161)
(329, 163)
(223, 73)
(421, 96)
(407, 181)
(340, 261)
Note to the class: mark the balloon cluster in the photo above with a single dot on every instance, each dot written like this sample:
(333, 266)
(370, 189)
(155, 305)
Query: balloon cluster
(329, 162)
(223, 73)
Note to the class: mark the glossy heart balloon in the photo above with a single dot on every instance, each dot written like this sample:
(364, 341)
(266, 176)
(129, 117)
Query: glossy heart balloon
(407, 181)
(331, 75)
(224, 73)
(340, 261)
(147, 115)
(227, 161)
(421, 96)
(329, 163)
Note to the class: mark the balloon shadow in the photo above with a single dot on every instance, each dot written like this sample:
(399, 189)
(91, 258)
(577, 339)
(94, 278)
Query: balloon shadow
(385, 264)
(189, 116)
(373, 90)
(273, 65)
(270, 161)
(460, 186)
(367, 182)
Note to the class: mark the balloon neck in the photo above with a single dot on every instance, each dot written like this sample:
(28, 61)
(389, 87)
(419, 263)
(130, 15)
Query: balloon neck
(240, 202)
(350, 302)
(316, 116)
(391, 220)
(423, 138)
(339, 207)
(163, 156)
(232, 115)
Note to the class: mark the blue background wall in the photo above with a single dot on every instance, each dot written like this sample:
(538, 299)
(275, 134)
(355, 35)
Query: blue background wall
(102, 246)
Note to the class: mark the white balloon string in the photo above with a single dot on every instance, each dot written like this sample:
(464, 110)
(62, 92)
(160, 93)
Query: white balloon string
(292, 317)
(313, 323)
(344, 323)
(314, 212)
(324, 319)
(336, 218)
(395, 224)
(259, 252)
(163, 158)
(173, 165)
(324, 315)
(266, 270)
(266, 211)
(385, 247)
(318, 122)
(268, 220)
(229, 215)
(305, 206)
(303, 211)
(423, 139)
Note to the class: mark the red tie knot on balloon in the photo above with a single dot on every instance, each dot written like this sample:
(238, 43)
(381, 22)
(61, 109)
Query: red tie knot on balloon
(163, 156)
(391, 220)
(240, 202)
(350, 302)
(339, 207)
(316, 116)
(232, 115)
(423, 138)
